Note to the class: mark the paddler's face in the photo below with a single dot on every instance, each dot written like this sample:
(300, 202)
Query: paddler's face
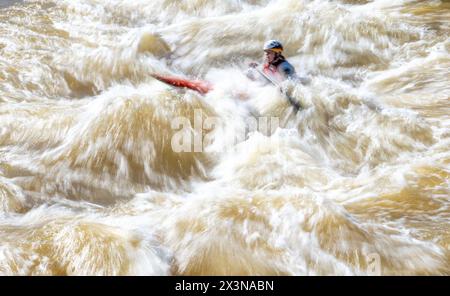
(270, 56)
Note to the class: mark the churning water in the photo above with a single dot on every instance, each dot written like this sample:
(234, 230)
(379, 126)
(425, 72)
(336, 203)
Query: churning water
(358, 182)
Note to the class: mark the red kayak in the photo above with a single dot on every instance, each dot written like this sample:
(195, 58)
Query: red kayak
(202, 87)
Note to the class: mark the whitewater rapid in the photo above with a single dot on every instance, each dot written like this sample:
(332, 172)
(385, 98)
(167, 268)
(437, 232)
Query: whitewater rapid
(96, 177)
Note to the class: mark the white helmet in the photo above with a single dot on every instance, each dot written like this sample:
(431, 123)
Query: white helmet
(274, 45)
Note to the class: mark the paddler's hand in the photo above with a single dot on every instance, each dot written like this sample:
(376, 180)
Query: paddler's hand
(253, 65)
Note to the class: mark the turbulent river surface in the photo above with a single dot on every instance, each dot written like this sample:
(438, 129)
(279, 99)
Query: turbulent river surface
(106, 171)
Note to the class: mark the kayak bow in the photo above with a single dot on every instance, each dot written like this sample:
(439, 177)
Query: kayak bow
(200, 86)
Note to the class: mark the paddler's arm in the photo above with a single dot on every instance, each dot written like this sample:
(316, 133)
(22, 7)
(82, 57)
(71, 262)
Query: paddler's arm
(289, 73)
(251, 71)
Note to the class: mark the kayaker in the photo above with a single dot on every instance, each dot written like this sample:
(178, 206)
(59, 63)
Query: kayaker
(275, 70)
(275, 65)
